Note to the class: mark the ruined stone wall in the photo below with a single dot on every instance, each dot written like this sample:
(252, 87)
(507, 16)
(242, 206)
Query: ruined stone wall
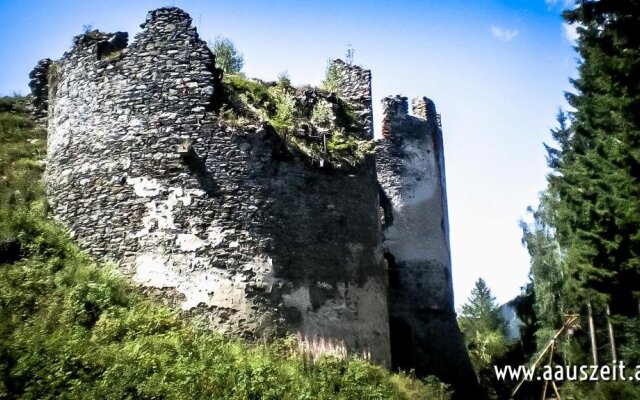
(355, 88)
(410, 162)
(218, 220)
(229, 222)
(39, 85)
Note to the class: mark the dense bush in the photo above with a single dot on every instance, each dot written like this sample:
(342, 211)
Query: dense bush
(72, 329)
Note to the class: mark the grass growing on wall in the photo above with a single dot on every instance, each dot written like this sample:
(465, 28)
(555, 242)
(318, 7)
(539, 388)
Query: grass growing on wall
(280, 105)
(71, 329)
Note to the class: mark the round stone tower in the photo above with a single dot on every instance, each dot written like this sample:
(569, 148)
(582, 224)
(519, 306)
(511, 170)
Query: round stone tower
(413, 198)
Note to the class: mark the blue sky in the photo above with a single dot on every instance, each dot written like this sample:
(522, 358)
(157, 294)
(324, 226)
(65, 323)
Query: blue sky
(495, 69)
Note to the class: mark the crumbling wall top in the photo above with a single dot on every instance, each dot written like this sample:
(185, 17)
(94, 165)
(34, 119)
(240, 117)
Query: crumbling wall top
(394, 106)
(166, 16)
(355, 89)
(38, 82)
(424, 108)
(423, 118)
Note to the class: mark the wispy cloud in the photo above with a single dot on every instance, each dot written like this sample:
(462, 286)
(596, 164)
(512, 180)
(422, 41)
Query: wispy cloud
(503, 34)
(570, 32)
(560, 3)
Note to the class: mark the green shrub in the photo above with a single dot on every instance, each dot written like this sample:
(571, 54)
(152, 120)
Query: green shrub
(283, 118)
(81, 332)
(322, 114)
(228, 58)
(276, 104)
(13, 104)
(348, 148)
(22, 147)
(283, 80)
(604, 390)
(347, 118)
(332, 79)
(412, 388)
(247, 93)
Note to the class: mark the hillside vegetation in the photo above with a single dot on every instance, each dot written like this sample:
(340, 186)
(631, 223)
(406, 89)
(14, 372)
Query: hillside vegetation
(72, 329)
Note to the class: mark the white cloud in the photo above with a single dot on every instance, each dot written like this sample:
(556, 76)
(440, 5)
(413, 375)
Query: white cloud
(560, 3)
(503, 34)
(570, 32)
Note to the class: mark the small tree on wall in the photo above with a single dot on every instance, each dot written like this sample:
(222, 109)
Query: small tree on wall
(331, 82)
(228, 58)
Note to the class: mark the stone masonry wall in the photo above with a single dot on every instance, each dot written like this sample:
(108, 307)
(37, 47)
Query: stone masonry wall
(38, 83)
(355, 89)
(410, 162)
(218, 220)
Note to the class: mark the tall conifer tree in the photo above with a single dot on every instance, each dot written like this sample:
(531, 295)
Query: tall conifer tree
(591, 208)
(598, 180)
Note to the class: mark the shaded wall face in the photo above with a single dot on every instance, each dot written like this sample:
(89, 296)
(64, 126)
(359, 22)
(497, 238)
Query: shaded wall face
(216, 220)
(417, 239)
(328, 250)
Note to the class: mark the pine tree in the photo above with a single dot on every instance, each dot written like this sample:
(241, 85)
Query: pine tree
(483, 327)
(585, 240)
(548, 276)
(598, 180)
(228, 58)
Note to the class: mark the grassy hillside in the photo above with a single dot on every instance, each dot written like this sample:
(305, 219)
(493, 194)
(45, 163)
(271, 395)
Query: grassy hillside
(72, 329)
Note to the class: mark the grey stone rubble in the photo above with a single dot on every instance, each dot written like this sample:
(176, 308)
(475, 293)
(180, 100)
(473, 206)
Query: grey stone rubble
(225, 221)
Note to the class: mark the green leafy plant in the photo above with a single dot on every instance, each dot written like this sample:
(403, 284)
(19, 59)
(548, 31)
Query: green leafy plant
(228, 58)
(333, 78)
(283, 118)
(333, 125)
(322, 114)
(283, 80)
(483, 327)
(412, 388)
(229, 116)
(344, 148)
(250, 93)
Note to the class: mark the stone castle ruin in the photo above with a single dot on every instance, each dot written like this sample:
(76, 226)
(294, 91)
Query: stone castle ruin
(232, 221)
